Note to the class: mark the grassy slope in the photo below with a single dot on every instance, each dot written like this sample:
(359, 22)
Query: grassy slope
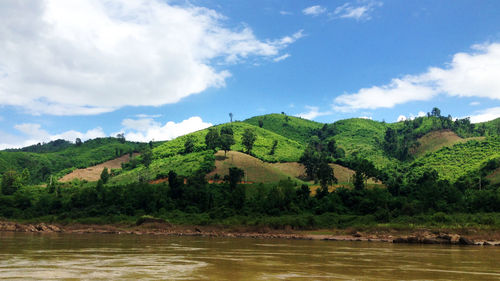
(287, 149)
(297, 129)
(363, 137)
(255, 170)
(461, 158)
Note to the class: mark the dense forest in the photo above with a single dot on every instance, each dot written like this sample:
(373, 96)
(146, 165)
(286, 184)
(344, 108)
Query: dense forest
(429, 170)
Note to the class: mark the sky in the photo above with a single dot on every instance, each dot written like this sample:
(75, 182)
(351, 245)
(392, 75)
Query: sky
(156, 69)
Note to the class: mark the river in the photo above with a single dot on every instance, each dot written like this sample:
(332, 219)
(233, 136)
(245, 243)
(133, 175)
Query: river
(149, 257)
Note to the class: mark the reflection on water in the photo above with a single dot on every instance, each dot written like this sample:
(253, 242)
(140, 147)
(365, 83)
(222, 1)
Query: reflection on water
(100, 256)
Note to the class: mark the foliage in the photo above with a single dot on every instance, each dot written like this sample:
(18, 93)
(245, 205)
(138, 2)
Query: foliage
(248, 139)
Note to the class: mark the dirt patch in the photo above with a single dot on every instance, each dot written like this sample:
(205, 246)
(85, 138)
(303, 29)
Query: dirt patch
(255, 170)
(94, 173)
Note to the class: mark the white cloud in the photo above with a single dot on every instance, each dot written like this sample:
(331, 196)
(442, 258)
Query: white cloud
(359, 11)
(285, 13)
(33, 134)
(88, 57)
(283, 57)
(485, 115)
(401, 118)
(366, 117)
(474, 103)
(148, 115)
(312, 113)
(314, 10)
(147, 129)
(468, 75)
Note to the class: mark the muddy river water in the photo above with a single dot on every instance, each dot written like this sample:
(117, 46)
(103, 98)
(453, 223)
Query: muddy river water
(150, 257)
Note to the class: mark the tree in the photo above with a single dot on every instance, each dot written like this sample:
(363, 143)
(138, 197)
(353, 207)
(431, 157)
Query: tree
(189, 145)
(248, 139)
(25, 177)
(235, 176)
(231, 117)
(121, 137)
(212, 139)
(390, 141)
(358, 181)
(51, 187)
(273, 148)
(10, 182)
(78, 142)
(226, 130)
(105, 175)
(147, 157)
(226, 139)
(261, 123)
(436, 112)
(325, 175)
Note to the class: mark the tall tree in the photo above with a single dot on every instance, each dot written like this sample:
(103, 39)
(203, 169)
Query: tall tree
(226, 139)
(105, 175)
(248, 139)
(189, 145)
(231, 117)
(212, 139)
(10, 182)
(147, 157)
(78, 142)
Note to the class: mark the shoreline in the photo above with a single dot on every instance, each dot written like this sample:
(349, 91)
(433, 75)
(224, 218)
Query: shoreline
(420, 236)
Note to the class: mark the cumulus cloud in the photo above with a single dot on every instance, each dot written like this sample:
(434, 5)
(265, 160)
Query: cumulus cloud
(485, 115)
(33, 134)
(143, 130)
(312, 113)
(88, 57)
(147, 129)
(359, 10)
(314, 10)
(411, 116)
(401, 118)
(474, 103)
(467, 75)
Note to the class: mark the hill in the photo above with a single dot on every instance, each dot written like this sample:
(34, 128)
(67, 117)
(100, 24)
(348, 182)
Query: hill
(294, 128)
(62, 161)
(459, 159)
(287, 150)
(361, 137)
(93, 173)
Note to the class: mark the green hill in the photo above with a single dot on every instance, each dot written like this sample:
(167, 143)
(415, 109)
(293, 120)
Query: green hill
(362, 137)
(459, 159)
(287, 150)
(294, 128)
(62, 160)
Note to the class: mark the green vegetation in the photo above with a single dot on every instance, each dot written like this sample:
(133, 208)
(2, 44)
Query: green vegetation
(434, 170)
(59, 161)
(294, 128)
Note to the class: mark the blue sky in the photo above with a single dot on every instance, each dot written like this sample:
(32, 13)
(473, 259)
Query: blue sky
(156, 70)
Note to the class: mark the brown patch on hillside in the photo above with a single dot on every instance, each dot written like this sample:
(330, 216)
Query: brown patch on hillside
(255, 169)
(435, 140)
(94, 173)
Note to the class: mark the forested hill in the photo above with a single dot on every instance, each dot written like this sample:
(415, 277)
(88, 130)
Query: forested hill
(58, 157)
(454, 148)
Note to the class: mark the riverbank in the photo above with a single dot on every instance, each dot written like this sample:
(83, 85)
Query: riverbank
(412, 236)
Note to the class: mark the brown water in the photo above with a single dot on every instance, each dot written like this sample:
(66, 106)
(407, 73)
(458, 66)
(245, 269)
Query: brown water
(105, 257)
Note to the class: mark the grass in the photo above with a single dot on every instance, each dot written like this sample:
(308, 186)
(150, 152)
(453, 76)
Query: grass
(287, 149)
(294, 128)
(255, 170)
(459, 159)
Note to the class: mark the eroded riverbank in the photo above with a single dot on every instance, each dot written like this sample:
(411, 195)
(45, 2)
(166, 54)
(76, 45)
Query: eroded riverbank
(419, 236)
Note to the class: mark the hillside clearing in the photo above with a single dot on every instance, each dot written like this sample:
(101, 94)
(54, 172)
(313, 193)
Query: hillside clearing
(93, 173)
(436, 140)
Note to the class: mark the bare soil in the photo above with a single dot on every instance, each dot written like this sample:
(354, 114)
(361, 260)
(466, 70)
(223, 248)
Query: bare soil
(94, 173)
